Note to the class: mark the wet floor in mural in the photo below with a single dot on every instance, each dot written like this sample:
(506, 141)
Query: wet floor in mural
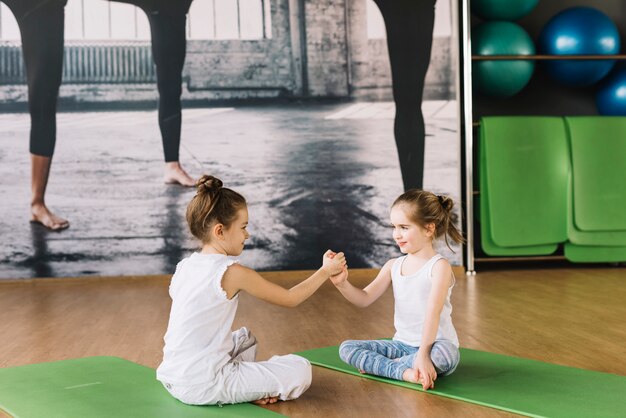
(316, 176)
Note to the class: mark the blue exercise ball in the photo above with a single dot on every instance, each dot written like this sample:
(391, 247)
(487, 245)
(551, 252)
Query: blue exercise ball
(502, 9)
(579, 31)
(611, 96)
(501, 78)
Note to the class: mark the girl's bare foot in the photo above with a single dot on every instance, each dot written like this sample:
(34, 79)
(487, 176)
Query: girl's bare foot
(410, 375)
(40, 214)
(266, 401)
(174, 174)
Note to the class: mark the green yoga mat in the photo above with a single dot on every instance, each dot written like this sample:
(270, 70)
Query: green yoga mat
(598, 148)
(524, 169)
(487, 241)
(595, 254)
(491, 248)
(513, 384)
(590, 238)
(100, 387)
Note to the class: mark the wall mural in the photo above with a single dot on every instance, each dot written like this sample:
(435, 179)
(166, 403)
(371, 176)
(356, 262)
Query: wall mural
(312, 110)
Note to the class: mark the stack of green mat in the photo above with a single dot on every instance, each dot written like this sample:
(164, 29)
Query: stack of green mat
(524, 169)
(546, 181)
(597, 201)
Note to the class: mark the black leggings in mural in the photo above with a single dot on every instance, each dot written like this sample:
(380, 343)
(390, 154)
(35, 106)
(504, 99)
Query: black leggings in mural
(168, 19)
(41, 25)
(409, 25)
(41, 28)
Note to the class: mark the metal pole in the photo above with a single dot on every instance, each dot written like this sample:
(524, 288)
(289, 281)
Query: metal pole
(466, 54)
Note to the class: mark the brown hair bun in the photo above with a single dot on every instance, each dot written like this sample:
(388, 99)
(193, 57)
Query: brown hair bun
(209, 184)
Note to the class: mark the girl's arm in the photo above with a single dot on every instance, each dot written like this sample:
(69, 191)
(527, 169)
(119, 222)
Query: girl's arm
(364, 297)
(441, 282)
(238, 277)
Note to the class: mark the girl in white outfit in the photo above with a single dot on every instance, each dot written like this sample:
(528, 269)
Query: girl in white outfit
(425, 343)
(204, 362)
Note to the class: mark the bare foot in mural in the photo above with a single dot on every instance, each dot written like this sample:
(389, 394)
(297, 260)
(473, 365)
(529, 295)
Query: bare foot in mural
(40, 214)
(174, 174)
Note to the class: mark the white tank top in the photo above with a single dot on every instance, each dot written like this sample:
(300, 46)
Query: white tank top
(411, 297)
(198, 337)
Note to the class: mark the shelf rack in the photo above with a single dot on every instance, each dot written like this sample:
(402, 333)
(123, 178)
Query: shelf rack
(617, 57)
(467, 126)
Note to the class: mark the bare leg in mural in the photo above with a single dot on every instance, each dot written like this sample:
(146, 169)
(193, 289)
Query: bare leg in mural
(409, 25)
(41, 24)
(167, 26)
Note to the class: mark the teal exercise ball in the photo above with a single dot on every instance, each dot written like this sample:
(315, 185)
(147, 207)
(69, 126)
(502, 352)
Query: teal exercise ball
(501, 78)
(502, 9)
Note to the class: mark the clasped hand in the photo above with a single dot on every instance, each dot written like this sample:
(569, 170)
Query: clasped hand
(334, 263)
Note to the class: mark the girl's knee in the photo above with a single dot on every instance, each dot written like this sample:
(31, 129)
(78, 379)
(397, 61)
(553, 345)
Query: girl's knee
(300, 377)
(305, 371)
(302, 370)
(347, 348)
(445, 358)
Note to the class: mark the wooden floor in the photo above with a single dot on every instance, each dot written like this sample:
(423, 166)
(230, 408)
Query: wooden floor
(573, 317)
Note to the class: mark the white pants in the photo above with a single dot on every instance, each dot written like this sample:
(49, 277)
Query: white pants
(244, 380)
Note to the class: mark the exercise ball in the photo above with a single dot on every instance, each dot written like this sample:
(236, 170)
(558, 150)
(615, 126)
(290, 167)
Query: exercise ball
(502, 9)
(611, 96)
(579, 31)
(501, 78)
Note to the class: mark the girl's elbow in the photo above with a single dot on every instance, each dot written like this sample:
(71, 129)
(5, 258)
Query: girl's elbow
(292, 302)
(366, 301)
(363, 304)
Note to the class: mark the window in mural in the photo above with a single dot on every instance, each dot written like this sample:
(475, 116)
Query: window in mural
(104, 20)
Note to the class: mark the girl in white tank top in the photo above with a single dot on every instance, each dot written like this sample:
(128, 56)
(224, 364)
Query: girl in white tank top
(425, 344)
(204, 362)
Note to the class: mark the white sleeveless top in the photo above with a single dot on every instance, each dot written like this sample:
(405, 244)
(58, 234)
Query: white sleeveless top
(198, 337)
(411, 297)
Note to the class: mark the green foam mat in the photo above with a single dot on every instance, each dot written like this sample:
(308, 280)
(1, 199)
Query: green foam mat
(598, 151)
(100, 387)
(595, 254)
(487, 243)
(522, 386)
(492, 249)
(524, 169)
(590, 238)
